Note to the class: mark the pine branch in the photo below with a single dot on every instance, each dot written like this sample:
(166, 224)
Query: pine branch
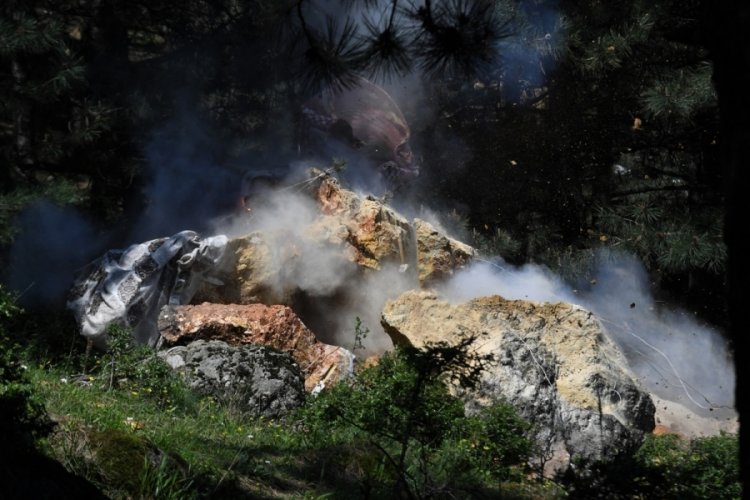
(679, 95)
(28, 35)
(609, 51)
(72, 74)
(458, 36)
(386, 49)
(643, 190)
(332, 57)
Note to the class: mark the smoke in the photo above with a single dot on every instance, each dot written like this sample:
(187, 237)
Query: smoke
(672, 354)
(327, 290)
(52, 244)
(186, 184)
(529, 282)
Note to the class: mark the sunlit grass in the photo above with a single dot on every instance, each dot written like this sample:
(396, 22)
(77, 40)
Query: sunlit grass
(217, 443)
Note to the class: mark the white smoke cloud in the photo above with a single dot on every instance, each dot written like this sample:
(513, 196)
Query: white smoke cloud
(329, 290)
(673, 355)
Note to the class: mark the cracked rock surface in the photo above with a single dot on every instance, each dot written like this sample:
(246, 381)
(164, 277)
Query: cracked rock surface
(552, 362)
(255, 379)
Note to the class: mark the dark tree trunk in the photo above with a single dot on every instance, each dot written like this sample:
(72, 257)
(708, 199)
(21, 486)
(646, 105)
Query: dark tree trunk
(727, 31)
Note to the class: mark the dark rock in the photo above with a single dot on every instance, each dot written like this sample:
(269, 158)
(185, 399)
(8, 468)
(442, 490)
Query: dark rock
(257, 380)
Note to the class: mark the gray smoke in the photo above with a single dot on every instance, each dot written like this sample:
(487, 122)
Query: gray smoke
(336, 290)
(52, 244)
(186, 185)
(674, 355)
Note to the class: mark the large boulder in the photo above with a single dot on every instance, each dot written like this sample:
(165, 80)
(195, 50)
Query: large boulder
(438, 255)
(252, 271)
(370, 233)
(257, 380)
(347, 235)
(552, 362)
(274, 326)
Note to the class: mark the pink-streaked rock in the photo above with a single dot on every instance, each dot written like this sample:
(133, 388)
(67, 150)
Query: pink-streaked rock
(274, 326)
(350, 233)
(370, 233)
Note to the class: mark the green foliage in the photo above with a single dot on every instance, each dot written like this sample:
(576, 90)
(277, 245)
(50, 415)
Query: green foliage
(680, 95)
(611, 49)
(667, 466)
(28, 34)
(59, 191)
(223, 454)
(500, 243)
(484, 448)
(128, 462)
(165, 483)
(360, 334)
(22, 414)
(649, 226)
(139, 370)
(8, 306)
(56, 129)
(706, 467)
(414, 436)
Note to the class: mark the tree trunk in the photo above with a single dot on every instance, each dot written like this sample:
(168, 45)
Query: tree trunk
(727, 29)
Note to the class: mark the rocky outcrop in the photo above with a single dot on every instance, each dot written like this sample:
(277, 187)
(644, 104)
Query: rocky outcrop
(251, 271)
(257, 380)
(275, 326)
(552, 362)
(438, 255)
(370, 233)
(354, 234)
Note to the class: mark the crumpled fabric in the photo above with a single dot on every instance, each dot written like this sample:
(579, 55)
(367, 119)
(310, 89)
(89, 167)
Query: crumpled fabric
(130, 286)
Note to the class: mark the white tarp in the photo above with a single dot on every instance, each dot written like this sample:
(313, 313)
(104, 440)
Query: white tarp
(130, 286)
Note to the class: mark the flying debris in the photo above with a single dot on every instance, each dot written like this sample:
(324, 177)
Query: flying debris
(363, 116)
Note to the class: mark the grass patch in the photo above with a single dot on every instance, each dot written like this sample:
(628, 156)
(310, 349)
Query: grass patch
(133, 429)
(222, 450)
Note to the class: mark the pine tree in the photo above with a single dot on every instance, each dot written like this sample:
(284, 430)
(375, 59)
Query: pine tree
(46, 115)
(554, 127)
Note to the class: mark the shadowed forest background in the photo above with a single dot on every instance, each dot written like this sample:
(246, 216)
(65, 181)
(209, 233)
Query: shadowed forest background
(547, 131)
(544, 129)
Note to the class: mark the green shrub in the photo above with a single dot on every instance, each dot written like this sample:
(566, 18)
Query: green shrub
(706, 467)
(22, 415)
(138, 369)
(666, 466)
(411, 435)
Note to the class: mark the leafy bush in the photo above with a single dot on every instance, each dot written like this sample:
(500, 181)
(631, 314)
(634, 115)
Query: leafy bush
(139, 370)
(411, 435)
(22, 415)
(706, 467)
(666, 466)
